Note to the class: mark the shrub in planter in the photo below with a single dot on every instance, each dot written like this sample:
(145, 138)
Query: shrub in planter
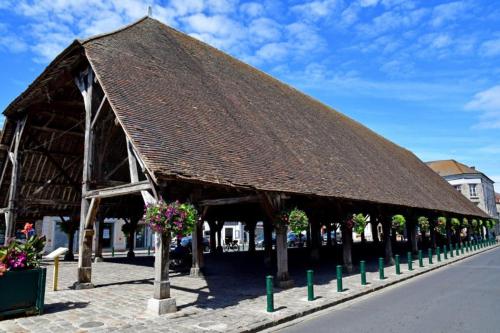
(398, 223)
(22, 281)
(171, 219)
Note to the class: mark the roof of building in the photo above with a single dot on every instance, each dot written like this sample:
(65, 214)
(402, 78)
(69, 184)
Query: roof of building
(451, 167)
(196, 113)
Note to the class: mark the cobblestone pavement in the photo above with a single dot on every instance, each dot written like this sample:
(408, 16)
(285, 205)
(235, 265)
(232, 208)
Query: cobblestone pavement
(231, 298)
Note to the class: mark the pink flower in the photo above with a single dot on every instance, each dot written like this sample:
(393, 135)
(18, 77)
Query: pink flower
(3, 268)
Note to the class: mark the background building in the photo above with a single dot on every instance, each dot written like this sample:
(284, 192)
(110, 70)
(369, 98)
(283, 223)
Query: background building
(472, 183)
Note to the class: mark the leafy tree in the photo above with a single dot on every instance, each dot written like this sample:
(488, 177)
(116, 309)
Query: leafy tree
(298, 222)
(69, 227)
(423, 224)
(455, 224)
(398, 223)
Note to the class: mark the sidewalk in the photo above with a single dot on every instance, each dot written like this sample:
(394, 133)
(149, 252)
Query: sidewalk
(216, 304)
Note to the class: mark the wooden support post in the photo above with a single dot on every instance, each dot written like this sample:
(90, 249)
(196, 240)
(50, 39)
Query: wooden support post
(268, 243)
(85, 83)
(272, 204)
(85, 250)
(315, 238)
(196, 246)
(412, 229)
(346, 227)
(99, 238)
(213, 234)
(387, 228)
(251, 235)
(11, 212)
(161, 302)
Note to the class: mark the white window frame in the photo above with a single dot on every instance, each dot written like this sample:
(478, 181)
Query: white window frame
(473, 190)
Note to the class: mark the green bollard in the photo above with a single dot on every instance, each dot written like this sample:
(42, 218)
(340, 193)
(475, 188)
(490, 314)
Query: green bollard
(112, 251)
(381, 268)
(339, 279)
(438, 254)
(396, 258)
(445, 252)
(462, 248)
(457, 249)
(451, 250)
(363, 272)
(149, 250)
(269, 292)
(310, 285)
(410, 261)
(420, 259)
(429, 255)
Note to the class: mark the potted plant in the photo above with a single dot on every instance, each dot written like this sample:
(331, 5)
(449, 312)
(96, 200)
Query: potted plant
(298, 222)
(22, 280)
(360, 225)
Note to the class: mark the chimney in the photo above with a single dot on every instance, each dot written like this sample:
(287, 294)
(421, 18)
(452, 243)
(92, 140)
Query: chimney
(473, 167)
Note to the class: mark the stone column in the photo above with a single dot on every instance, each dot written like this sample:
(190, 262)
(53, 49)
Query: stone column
(282, 276)
(161, 302)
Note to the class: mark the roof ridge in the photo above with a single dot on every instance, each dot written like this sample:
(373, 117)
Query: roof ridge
(125, 27)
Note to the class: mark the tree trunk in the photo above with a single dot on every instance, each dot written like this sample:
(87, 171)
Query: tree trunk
(130, 253)
(251, 236)
(69, 256)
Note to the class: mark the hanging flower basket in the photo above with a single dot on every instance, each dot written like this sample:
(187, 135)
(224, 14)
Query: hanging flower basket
(173, 218)
(22, 281)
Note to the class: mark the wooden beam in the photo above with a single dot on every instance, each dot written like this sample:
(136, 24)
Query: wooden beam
(229, 201)
(118, 190)
(57, 130)
(134, 174)
(61, 170)
(105, 98)
(10, 214)
(50, 202)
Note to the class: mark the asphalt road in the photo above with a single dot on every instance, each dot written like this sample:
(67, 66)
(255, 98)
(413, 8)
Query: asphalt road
(463, 297)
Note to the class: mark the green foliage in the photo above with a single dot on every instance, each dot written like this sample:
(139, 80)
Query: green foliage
(20, 255)
(359, 223)
(423, 224)
(455, 224)
(441, 225)
(68, 227)
(297, 221)
(129, 228)
(465, 222)
(398, 223)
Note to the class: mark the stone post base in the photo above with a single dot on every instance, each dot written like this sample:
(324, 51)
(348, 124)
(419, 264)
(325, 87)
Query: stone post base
(286, 284)
(98, 259)
(161, 306)
(196, 272)
(83, 285)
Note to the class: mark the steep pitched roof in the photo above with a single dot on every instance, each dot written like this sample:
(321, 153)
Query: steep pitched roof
(451, 167)
(193, 112)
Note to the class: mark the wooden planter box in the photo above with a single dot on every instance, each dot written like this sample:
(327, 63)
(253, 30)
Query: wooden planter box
(22, 292)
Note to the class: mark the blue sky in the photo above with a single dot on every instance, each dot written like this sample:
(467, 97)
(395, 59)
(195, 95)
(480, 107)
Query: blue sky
(425, 74)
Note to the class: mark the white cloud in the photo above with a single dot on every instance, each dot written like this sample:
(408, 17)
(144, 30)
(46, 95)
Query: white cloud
(490, 48)
(487, 102)
(315, 10)
(447, 12)
(252, 9)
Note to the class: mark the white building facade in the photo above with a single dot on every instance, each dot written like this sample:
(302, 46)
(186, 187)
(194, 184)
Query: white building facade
(472, 183)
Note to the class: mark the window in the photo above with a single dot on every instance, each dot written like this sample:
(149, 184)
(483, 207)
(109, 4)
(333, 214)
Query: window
(458, 188)
(472, 190)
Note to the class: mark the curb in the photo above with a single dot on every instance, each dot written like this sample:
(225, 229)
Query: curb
(262, 326)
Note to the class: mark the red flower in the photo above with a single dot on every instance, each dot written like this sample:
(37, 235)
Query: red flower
(27, 228)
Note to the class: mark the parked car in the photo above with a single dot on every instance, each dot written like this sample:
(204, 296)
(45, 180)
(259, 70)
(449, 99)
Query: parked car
(291, 239)
(187, 241)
